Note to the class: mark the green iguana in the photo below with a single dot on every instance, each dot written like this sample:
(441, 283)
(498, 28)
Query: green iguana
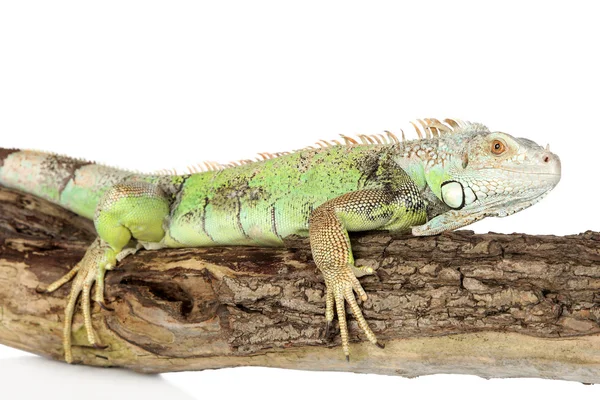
(456, 173)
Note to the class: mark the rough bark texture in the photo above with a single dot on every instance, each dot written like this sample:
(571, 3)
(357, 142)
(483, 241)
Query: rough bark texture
(491, 305)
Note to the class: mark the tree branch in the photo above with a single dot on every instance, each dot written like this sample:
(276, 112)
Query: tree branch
(490, 305)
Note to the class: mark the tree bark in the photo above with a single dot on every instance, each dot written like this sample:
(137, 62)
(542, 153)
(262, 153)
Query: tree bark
(490, 305)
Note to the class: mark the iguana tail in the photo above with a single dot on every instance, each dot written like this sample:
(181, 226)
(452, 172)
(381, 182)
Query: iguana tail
(75, 184)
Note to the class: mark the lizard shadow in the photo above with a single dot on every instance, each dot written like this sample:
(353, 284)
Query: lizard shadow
(36, 377)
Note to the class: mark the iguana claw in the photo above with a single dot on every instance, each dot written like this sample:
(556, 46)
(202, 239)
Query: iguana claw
(98, 258)
(104, 306)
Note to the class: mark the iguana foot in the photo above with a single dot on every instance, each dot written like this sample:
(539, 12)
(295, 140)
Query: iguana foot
(91, 269)
(358, 272)
(340, 289)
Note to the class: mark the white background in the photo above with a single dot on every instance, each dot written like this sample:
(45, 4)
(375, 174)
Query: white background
(149, 85)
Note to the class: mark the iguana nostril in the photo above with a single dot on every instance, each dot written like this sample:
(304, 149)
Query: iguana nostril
(546, 158)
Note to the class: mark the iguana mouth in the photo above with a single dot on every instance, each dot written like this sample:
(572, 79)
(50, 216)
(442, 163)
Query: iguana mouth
(525, 173)
(528, 173)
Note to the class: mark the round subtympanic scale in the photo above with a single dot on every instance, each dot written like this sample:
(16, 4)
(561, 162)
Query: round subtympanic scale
(453, 194)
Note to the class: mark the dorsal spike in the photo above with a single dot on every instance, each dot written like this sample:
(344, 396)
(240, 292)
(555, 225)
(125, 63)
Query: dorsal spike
(393, 138)
(363, 138)
(454, 123)
(377, 139)
(348, 140)
(428, 134)
(441, 128)
(417, 130)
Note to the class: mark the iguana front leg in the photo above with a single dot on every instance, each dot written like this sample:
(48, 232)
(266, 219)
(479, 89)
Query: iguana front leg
(128, 210)
(328, 230)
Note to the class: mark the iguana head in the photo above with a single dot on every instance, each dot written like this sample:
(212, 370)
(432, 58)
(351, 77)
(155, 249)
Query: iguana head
(483, 174)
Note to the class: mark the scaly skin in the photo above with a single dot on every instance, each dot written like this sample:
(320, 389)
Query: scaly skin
(457, 174)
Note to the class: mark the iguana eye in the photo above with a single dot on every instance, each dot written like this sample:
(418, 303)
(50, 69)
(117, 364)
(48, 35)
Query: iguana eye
(498, 147)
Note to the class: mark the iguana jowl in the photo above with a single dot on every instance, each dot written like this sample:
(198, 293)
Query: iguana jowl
(456, 173)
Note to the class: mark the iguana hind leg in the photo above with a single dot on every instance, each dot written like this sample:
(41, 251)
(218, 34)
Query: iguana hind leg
(328, 230)
(127, 210)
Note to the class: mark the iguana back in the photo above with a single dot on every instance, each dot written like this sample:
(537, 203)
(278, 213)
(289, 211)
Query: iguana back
(256, 203)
